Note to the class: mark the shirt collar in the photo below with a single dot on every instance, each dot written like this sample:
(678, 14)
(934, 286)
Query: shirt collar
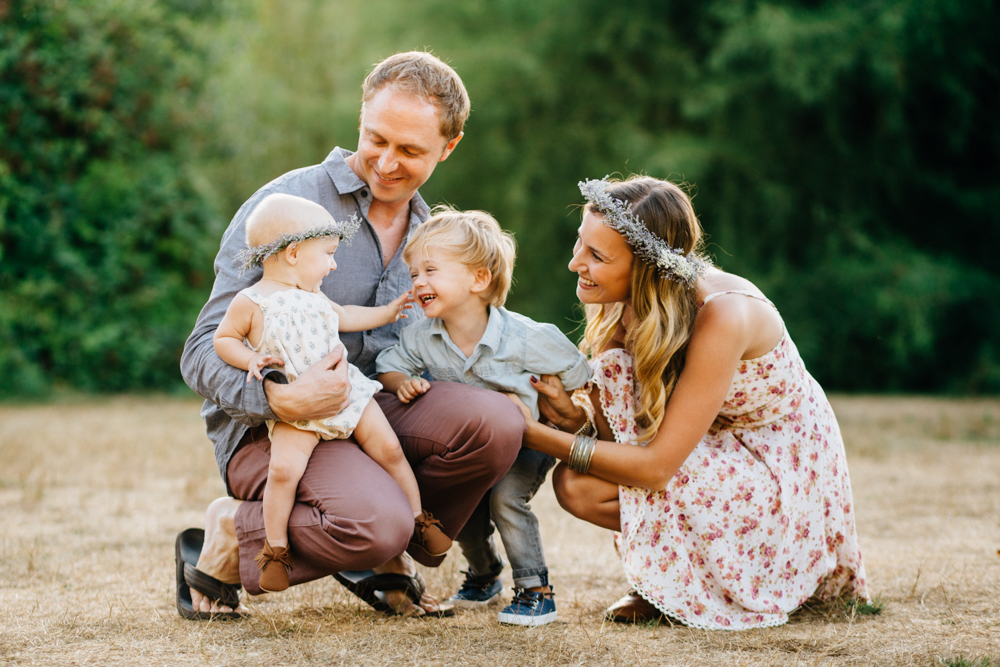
(346, 181)
(491, 337)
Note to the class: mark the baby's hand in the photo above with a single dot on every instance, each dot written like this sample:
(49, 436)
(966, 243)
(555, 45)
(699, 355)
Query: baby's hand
(259, 362)
(411, 388)
(402, 302)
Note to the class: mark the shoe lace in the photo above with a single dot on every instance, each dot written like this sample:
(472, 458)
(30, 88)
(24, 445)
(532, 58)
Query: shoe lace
(474, 581)
(267, 555)
(530, 598)
(426, 520)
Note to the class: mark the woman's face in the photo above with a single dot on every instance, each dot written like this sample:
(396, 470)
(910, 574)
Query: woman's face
(603, 262)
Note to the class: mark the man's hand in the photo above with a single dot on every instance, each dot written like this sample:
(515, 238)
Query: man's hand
(412, 387)
(322, 391)
(260, 361)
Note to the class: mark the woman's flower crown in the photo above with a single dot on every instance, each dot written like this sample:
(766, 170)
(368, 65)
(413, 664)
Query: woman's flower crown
(670, 262)
(251, 257)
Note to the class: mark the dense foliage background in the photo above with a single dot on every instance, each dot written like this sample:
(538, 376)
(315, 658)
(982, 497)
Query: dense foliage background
(845, 155)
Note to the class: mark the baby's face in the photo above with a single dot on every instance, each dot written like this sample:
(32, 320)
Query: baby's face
(315, 260)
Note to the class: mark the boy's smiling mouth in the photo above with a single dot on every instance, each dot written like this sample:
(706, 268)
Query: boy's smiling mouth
(426, 298)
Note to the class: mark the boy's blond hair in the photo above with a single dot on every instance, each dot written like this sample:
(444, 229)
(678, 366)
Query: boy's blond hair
(473, 238)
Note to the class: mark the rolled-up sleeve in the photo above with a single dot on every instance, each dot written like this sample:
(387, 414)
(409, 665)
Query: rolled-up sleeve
(403, 357)
(550, 352)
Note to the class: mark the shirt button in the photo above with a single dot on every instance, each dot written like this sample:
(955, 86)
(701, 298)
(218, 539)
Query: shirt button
(364, 193)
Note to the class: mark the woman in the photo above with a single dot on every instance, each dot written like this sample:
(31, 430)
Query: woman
(735, 507)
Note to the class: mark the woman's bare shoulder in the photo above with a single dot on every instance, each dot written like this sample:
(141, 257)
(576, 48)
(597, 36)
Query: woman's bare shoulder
(716, 280)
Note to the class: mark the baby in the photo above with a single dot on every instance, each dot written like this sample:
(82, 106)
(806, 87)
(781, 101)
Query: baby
(461, 264)
(285, 320)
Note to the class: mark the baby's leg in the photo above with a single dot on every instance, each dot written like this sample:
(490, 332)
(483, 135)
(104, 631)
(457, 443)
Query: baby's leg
(378, 441)
(290, 452)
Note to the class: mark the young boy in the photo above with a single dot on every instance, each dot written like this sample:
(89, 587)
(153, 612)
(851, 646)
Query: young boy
(461, 264)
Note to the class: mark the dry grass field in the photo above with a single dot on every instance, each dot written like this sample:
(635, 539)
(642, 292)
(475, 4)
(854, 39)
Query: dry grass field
(92, 494)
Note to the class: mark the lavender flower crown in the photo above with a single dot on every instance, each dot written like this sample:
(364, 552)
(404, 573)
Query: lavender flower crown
(251, 257)
(670, 262)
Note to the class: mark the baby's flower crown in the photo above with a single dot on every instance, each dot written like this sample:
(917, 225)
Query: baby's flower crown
(670, 262)
(251, 257)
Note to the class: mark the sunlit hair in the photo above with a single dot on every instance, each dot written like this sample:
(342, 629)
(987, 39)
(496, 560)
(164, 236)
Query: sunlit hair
(473, 238)
(426, 76)
(279, 214)
(664, 309)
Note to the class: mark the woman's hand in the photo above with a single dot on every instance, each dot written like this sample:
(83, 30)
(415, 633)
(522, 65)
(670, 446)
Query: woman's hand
(555, 405)
(531, 424)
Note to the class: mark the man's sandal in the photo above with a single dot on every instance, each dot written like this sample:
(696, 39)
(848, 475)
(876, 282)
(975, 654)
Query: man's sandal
(187, 549)
(371, 588)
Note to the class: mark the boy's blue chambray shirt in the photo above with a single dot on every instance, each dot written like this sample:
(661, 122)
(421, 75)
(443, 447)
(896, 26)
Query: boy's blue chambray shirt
(512, 349)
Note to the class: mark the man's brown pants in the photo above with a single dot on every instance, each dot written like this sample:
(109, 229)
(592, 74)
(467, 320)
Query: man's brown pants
(350, 514)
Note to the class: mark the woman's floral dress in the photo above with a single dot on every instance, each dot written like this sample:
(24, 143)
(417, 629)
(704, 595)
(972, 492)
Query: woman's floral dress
(759, 518)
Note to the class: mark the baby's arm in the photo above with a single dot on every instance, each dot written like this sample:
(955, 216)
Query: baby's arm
(360, 318)
(228, 339)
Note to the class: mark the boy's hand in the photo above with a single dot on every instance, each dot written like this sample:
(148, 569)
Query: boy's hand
(260, 361)
(411, 388)
(402, 302)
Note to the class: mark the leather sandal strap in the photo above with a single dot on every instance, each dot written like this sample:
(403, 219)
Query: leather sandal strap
(227, 595)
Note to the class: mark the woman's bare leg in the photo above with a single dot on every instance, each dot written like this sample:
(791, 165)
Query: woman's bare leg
(587, 497)
(290, 452)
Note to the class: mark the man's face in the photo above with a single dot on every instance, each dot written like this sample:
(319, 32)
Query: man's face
(400, 144)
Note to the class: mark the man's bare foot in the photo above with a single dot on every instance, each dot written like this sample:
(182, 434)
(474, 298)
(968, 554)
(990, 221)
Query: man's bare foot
(220, 556)
(398, 600)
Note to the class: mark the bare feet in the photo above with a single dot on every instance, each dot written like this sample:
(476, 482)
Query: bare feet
(398, 600)
(220, 557)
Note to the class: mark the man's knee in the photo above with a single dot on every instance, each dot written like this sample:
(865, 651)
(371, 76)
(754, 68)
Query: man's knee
(497, 424)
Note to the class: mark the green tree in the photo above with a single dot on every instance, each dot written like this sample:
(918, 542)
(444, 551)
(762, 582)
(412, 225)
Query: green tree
(106, 234)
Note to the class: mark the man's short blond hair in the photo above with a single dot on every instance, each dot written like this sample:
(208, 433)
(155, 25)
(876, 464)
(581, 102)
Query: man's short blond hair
(421, 74)
(473, 238)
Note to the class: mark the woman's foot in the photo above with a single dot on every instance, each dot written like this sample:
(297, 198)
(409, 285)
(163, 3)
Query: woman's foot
(633, 608)
(220, 556)
(398, 600)
(274, 564)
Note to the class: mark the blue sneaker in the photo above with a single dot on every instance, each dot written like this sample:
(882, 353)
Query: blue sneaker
(477, 592)
(529, 608)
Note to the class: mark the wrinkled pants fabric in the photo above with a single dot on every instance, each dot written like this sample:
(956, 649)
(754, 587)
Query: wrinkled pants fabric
(350, 514)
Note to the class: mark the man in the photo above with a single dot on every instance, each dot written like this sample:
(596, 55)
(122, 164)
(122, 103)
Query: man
(349, 515)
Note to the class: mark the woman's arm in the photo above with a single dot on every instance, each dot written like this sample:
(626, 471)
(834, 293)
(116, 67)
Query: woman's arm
(361, 318)
(719, 339)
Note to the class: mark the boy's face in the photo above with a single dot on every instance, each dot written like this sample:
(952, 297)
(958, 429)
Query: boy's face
(400, 144)
(315, 260)
(445, 287)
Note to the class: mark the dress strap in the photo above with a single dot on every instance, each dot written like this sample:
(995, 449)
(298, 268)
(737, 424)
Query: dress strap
(254, 296)
(737, 291)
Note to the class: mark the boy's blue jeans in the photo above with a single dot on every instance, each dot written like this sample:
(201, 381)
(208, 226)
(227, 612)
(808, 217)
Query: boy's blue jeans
(507, 503)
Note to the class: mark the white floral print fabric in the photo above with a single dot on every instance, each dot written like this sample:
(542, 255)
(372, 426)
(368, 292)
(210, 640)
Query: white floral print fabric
(760, 516)
(301, 328)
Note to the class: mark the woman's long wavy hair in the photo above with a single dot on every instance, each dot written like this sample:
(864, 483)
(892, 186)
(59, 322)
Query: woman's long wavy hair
(664, 309)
